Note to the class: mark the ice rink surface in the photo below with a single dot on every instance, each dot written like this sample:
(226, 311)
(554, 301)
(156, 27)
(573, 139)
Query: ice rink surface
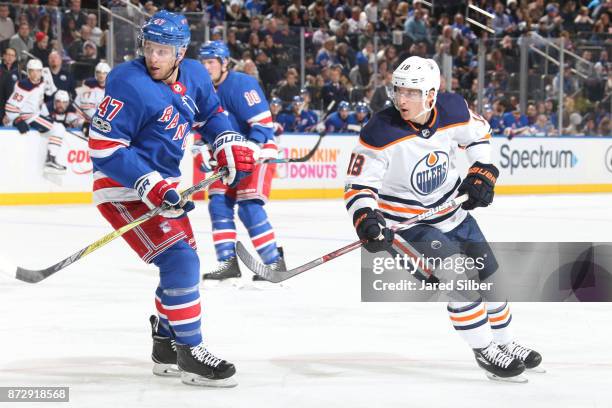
(310, 343)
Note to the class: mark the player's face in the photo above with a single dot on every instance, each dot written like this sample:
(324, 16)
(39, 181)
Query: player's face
(343, 113)
(361, 116)
(214, 68)
(101, 77)
(61, 106)
(35, 75)
(275, 109)
(160, 60)
(410, 103)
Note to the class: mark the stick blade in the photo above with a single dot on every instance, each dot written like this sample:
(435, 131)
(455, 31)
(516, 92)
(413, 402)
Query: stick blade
(255, 266)
(30, 276)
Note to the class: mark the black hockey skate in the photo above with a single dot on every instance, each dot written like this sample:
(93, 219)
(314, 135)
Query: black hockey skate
(225, 270)
(199, 367)
(499, 365)
(530, 358)
(164, 352)
(278, 265)
(52, 166)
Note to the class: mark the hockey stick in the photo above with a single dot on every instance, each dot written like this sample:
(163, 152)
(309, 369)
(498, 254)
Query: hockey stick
(278, 276)
(303, 159)
(34, 276)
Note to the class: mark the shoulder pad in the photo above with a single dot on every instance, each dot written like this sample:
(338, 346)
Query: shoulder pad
(91, 83)
(25, 84)
(385, 128)
(452, 110)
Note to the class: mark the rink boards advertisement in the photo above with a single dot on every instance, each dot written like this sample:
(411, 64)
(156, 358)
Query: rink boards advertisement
(527, 166)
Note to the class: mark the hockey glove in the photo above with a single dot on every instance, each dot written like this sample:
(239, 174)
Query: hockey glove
(21, 125)
(479, 184)
(154, 191)
(202, 153)
(237, 154)
(269, 150)
(371, 227)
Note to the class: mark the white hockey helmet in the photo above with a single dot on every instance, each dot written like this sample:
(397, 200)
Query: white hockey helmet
(61, 96)
(416, 73)
(34, 64)
(103, 67)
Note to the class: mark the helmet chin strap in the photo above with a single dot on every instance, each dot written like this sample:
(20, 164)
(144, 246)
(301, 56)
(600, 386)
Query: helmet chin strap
(426, 109)
(174, 68)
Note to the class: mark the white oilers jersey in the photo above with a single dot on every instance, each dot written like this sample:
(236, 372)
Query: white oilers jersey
(89, 97)
(27, 100)
(403, 170)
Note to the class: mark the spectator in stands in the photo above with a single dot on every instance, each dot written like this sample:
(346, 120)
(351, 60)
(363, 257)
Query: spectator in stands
(416, 29)
(22, 41)
(357, 21)
(77, 49)
(254, 7)
(542, 127)
(41, 47)
(604, 127)
(570, 84)
(583, 22)
(532, 114)
(9, 74)
(371, 11)
(70, 34)
(235, 13)
(327, 54)
(62, 78)
(96, 32)
(338, 19)
(76, 14)
(289, 88)
(7, 27)
(551, 23)
(501, 22)
(216, 12)
(333, 89)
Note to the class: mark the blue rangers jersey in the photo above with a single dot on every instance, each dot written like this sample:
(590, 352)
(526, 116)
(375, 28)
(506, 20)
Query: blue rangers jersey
(354, 125)
(404, 170)
(302, 123)
(335, 123)
(245, 103)
(141, 126)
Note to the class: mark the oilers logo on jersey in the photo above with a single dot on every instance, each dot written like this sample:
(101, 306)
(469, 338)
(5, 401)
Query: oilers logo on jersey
(430, 172)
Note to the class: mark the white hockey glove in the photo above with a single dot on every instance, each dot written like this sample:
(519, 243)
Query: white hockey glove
(203, 151)
(235, 152)
(50, 87)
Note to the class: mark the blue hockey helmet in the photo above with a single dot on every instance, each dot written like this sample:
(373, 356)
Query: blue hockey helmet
(344, 105)
(298, 99)
(276, 101)
(361, 107)
(214, 49)
(167, 28)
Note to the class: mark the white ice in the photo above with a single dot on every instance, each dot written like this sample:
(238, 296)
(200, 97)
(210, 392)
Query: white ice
(311, 343)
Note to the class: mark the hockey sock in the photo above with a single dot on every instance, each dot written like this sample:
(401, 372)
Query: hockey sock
(179, 270)
(500, 318)
(221, 209)
(470, 321)
(163, 329)
(255, 219)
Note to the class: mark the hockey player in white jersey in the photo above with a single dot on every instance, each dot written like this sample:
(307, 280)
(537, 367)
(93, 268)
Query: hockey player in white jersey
(91, 94)
(62, 112)
(25, 110)
(404, 165)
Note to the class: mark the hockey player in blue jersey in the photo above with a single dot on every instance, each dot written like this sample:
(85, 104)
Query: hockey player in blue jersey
(338, 121)
(299, 119)
(136, 142)
(403, 166)
(244, 102)
(358, 119)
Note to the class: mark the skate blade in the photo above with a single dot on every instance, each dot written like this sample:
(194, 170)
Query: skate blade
(229, 282)
(536, 370)
(198, 380)
(166, 370)
(519, 379)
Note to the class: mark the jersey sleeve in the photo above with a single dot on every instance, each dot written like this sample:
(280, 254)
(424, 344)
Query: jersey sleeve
(475, 138)
(365, 175)
(116, 122)
(210, 120)
(15, 103)
(252, 107)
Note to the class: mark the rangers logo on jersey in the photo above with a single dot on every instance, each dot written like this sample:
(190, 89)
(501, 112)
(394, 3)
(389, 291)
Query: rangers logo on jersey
(430, 172)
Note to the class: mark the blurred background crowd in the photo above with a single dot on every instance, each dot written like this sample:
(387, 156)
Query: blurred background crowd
(540, 56)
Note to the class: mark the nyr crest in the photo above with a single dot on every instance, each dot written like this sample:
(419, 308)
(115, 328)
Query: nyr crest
(430, 172)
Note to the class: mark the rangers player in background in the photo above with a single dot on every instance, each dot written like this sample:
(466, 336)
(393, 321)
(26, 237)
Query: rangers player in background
(136, 142)
(245, 103)
(402, 167)
(26, 109)
(338, 121)
(91, 94)
(358, 119)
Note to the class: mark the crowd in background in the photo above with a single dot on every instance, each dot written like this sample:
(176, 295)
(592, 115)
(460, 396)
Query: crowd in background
(352, 47)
